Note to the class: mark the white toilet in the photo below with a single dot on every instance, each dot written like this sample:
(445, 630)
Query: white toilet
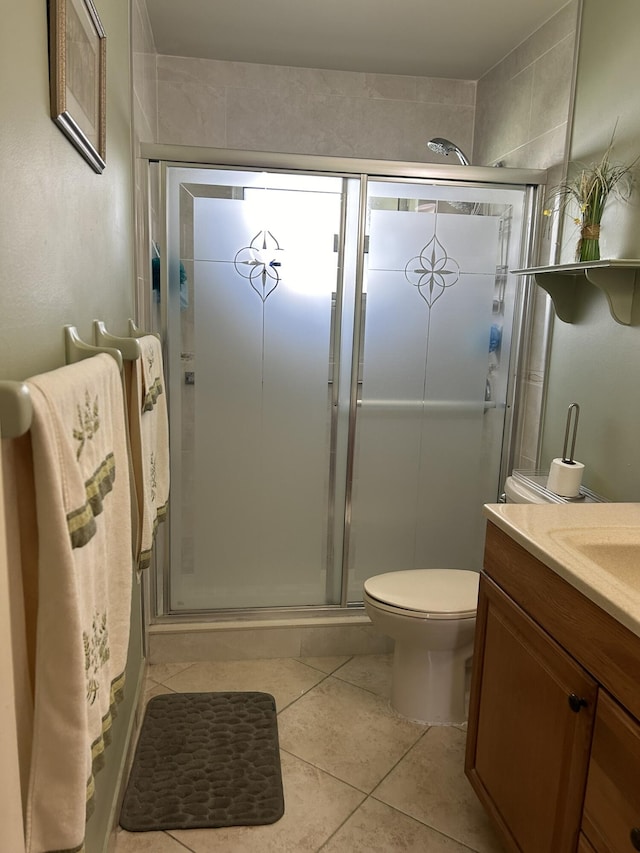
(431, 615)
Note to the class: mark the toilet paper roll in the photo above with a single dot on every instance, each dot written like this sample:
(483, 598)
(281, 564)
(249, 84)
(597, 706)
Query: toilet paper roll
(565, 478)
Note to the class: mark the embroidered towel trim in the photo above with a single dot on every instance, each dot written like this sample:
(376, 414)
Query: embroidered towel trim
(83, 513)
(149, 431)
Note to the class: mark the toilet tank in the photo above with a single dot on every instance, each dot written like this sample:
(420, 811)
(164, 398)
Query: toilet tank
(530, 487)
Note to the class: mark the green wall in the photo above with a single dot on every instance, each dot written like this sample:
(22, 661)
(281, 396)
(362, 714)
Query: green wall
(596, 361)
(66, 233)
(66, 250)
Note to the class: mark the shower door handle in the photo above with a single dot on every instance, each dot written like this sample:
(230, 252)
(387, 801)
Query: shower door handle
(332, 342)
(360, 356)
(334, 357)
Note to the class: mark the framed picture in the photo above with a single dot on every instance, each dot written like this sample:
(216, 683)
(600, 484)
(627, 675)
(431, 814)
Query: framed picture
(77, 75)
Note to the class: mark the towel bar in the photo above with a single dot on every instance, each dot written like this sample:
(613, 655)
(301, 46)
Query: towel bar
(76, 349)
(15, 409)
(129, 347)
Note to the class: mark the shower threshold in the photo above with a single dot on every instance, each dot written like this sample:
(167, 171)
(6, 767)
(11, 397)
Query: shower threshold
(249, 635)
(260, 615)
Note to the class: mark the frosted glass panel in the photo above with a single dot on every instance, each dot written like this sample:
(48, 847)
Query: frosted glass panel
(265, 277)
(427, 437)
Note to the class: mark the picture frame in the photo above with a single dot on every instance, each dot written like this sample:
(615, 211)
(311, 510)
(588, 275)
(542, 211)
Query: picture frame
(77, 76)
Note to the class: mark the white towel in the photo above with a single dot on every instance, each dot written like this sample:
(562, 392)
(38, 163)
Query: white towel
(83, 505)
(149, 431)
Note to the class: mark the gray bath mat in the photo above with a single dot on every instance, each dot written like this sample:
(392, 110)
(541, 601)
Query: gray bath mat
(205, 760)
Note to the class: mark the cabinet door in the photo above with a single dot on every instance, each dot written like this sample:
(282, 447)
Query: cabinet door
(530, 722)
(584, 846)
(612, 802)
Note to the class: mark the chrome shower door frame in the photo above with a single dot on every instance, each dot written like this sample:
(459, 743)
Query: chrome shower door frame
(354, 171)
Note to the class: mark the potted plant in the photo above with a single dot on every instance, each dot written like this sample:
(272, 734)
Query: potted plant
(586, 194)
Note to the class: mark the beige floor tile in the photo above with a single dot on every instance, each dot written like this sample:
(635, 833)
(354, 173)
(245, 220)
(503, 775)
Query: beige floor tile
(316, 804)
(346, 731)
(327, 664)
(285, 679)
(146, 842)
(371, 672)
(159, 672)
(152, 689)
(429, 785)
(377, 828)
(340, 727)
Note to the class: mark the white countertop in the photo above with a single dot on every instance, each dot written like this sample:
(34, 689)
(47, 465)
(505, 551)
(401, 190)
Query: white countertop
(594, 546)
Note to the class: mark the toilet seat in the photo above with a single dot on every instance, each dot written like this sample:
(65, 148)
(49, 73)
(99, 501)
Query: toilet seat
(426, 593)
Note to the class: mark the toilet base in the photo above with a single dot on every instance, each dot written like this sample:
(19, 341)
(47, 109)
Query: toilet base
(429, 686)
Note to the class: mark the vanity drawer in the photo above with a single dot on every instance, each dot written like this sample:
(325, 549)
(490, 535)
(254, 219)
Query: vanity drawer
(611, 819)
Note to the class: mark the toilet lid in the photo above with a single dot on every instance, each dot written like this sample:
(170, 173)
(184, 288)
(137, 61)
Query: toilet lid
(446, 591)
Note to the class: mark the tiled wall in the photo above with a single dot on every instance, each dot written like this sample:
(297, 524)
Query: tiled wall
(522, 105)
(522, 115)
(309, 111)
(145, 120)
(145, 101)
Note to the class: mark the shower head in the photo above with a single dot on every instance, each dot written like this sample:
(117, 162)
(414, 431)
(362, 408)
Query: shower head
(443, 146)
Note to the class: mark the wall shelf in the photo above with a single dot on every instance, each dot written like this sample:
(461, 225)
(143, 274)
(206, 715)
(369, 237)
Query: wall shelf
(616, 278)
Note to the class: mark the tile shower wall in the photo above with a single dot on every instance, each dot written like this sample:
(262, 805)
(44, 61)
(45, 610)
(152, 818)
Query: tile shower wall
(309, 111)
(145, 120)
(523, 102)
(522, 121)
(145, 103)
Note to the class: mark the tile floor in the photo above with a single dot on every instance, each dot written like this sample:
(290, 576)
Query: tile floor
(357, 778)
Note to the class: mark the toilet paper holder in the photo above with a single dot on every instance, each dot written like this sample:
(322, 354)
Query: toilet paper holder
(565, 474)
(569, 460)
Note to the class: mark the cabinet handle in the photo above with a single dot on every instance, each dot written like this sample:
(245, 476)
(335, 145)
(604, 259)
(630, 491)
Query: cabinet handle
(635, 837)
(577, 702)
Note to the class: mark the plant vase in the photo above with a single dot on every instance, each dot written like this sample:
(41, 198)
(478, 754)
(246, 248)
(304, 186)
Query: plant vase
(587, 191)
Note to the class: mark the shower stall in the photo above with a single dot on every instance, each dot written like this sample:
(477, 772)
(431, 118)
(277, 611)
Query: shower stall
(341, 346)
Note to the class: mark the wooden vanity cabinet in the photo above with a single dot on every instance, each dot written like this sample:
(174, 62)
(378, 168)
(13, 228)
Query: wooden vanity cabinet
(550, 672)
(529, 749)
(584, 846)
(612, 801)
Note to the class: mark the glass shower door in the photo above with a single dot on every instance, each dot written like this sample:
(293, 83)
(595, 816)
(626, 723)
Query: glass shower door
(257, 372)
(438, 305)
(338, 352)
